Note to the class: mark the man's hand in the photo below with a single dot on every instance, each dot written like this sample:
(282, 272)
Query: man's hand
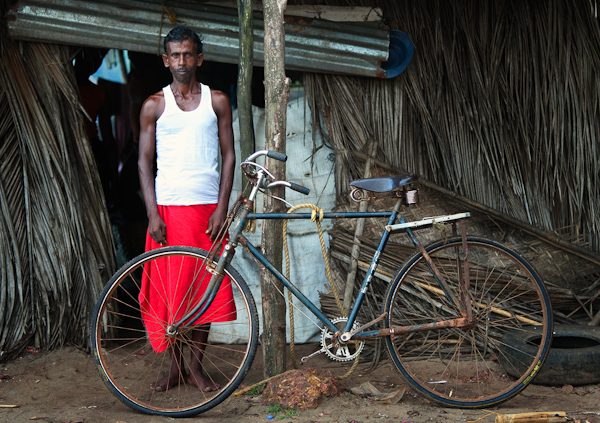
(157, 229)
(216, 221)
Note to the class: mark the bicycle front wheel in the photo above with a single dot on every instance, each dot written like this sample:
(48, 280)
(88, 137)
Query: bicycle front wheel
(468, 366)
(136, 358)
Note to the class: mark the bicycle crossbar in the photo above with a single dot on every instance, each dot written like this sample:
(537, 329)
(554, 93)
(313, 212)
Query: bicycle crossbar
(426, 222)
(326, 215)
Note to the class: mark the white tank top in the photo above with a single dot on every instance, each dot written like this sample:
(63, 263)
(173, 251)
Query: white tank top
(187, 153)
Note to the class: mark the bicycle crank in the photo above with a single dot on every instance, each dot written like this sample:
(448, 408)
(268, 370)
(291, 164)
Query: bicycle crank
(335, 348)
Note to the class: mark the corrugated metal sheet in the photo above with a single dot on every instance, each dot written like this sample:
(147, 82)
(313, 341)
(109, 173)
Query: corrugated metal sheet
(139, 25)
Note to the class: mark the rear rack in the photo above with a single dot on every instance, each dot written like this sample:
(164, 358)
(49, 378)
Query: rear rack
(428, 221)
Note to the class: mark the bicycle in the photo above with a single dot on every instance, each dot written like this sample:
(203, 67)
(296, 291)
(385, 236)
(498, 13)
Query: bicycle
(471, 294)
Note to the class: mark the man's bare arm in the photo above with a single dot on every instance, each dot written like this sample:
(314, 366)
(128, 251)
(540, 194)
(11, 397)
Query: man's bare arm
(147, 151)
(222, 109)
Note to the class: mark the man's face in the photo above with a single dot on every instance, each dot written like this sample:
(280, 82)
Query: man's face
(182, 60)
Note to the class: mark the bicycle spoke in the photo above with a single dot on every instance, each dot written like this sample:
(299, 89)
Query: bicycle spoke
(462, 366)
(154, 377)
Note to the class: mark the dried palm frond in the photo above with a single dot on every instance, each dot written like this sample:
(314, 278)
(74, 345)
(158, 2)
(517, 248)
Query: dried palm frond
(55, 242)
(500, 104)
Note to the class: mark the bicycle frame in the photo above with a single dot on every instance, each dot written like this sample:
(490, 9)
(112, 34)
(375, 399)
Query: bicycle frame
(393, 216)
(236, 237)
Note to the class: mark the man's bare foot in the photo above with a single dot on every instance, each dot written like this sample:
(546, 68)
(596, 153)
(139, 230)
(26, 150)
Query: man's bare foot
(169, 381)
(202, 382)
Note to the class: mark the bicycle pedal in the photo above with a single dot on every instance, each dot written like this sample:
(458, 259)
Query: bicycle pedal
(307, 357)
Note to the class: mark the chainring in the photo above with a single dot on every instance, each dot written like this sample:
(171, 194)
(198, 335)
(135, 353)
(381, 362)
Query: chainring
(336, 350)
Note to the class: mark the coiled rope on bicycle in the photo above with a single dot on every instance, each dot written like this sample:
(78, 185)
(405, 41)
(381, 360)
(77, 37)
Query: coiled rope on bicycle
(317, 214)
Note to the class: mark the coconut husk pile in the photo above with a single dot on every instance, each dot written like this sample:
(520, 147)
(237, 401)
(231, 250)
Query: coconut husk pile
(301, 389)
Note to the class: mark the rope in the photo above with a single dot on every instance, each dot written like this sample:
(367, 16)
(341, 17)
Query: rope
(171, 15)
(317, 215)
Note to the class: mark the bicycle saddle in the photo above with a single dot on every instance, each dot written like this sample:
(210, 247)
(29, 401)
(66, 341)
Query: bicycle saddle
(384, 184)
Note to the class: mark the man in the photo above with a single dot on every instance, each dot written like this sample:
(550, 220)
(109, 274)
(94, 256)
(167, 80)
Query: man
(184, 126)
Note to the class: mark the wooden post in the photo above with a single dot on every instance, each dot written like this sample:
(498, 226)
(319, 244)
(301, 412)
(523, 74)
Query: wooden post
(244, 82)
(277, 88)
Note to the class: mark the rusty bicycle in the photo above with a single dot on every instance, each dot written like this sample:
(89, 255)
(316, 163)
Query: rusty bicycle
(473, 293)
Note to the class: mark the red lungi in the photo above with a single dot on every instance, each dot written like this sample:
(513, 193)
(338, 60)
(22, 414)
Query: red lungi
(171, 287)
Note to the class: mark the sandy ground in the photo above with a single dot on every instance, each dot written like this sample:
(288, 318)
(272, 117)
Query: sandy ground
(64, 386)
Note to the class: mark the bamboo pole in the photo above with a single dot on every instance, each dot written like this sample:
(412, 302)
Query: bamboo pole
(533, 417)
(360, 226)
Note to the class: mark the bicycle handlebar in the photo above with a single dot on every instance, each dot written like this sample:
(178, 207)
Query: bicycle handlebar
(299, 188)
(250, 161)
(277, 155)
(269, 153)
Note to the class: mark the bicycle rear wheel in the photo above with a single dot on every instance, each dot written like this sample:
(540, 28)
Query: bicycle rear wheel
(127, 357)
(466, 367)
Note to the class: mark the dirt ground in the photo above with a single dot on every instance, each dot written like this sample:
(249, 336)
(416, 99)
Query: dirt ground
(64, 386)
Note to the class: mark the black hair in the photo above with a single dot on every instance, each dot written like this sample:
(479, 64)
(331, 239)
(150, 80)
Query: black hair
(181, 33)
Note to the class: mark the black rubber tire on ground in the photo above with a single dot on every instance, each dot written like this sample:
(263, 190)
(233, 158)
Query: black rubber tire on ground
(574, 357)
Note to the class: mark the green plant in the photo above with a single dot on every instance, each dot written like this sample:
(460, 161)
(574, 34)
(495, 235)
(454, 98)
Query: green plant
(256, 390)
(282, 412)
(289, 412)
(274, 409)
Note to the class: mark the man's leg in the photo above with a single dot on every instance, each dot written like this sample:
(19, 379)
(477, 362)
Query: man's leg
(177, 374)
(197, 375)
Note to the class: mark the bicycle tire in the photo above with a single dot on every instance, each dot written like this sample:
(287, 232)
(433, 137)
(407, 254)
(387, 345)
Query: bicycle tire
(459, 367)
(130, 366)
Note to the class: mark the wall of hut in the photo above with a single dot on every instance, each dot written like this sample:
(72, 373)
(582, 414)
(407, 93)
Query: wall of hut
(55, 238)
(501, 104)
(500, 107)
